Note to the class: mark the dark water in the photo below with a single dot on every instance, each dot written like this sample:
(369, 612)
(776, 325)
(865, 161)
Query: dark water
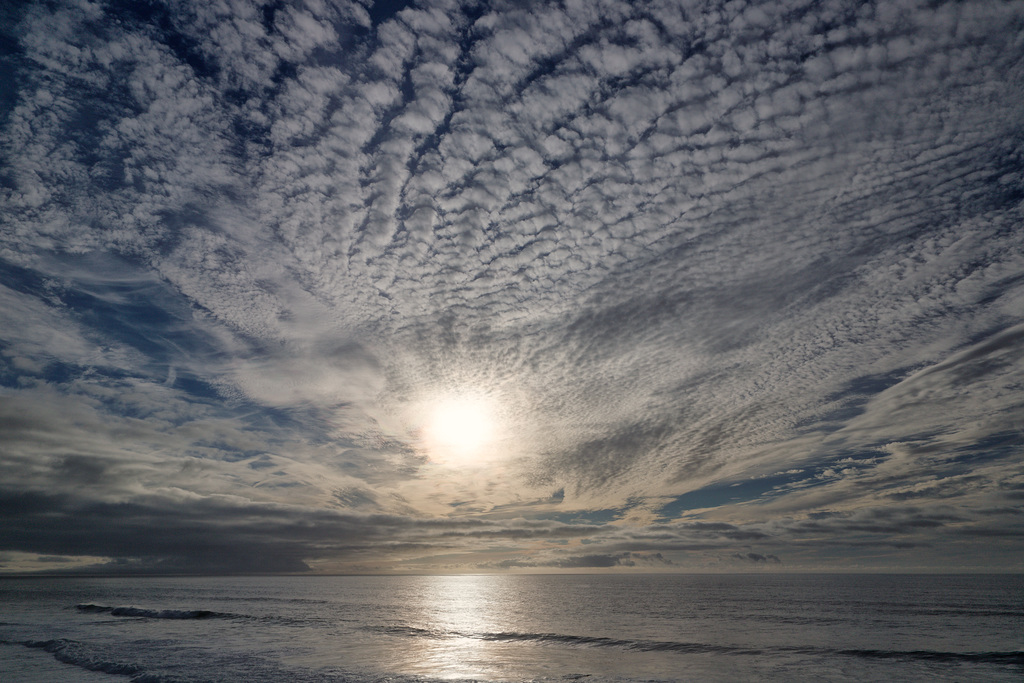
(514, 628)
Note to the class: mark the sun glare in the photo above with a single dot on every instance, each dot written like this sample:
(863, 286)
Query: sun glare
(460, 429)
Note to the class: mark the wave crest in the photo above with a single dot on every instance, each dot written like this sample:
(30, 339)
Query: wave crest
(74, 653)
(1007, 658)
(155, 613)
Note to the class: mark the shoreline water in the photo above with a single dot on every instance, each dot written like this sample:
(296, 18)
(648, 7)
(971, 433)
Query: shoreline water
(493, 628)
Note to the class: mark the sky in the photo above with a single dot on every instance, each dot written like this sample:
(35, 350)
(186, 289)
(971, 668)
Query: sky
(445, 286)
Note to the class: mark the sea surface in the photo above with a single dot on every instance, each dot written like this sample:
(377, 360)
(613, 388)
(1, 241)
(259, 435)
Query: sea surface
(591, 628)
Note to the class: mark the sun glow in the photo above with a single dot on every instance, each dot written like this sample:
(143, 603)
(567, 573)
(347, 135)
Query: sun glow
(460, 429)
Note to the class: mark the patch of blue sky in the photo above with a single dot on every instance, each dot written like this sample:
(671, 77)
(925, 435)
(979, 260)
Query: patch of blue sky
(763, 488)
(196, 388)
(586, 516)
(382, 10)
(993, 447)
(139, 312)
(227, 451)
(853, 398)
(136, 317)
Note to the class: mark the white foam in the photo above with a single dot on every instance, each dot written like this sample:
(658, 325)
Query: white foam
(33, 665)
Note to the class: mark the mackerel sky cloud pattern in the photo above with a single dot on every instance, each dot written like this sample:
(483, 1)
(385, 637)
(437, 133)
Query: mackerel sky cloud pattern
(742, 284)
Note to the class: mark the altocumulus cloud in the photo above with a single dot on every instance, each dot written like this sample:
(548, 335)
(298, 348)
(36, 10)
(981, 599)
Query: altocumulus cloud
(738, 283)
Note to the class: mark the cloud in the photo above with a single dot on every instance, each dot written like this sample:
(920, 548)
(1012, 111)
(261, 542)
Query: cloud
(625, 559)
(684, 251)
(180, 532)
(757, 558)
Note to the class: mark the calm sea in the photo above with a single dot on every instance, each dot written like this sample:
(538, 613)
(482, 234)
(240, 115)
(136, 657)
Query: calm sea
(589, 628)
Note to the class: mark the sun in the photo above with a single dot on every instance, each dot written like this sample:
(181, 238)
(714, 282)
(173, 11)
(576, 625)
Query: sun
(460, 429)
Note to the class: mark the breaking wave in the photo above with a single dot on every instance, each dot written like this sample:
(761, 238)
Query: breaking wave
(157, 613)
(1007, 658)
(80, 655)
(74, 653)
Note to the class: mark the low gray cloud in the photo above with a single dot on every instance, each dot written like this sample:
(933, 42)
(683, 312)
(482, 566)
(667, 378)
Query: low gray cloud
(624, 559)
(758, 558)
(224, 534)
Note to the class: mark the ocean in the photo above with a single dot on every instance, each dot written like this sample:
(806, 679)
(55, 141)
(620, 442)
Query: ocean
(591, 628)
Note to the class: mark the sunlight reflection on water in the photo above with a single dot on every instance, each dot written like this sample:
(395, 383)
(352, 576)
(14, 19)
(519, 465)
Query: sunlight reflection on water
(454, 612)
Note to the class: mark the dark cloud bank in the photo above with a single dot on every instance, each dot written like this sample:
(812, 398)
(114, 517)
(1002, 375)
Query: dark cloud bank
(741, 285)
